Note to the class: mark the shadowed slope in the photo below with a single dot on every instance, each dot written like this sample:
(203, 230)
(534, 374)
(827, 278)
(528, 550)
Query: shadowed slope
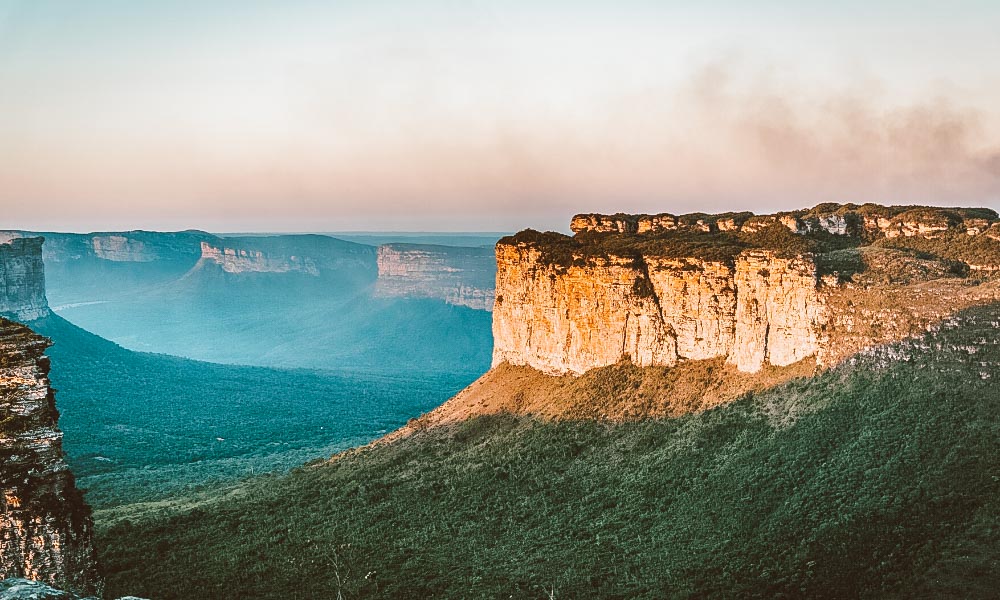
(874, 479)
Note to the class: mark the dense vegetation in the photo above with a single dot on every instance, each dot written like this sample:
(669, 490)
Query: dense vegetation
(143, 427)
(977, 250)
(718, 246)
(876, 479)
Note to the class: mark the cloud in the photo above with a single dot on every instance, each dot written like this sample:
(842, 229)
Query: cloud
(729, 135)
(803, 143)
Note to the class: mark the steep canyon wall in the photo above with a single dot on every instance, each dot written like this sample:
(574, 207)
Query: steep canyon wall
(759, 310)
(457, 275)
(756, 290)
(22, 279)
(45, 525)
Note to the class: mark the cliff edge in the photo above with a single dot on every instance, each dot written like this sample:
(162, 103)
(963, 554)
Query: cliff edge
(461, 276)
(639, 316)
(756, 291)
(45, 526)
(22, 279)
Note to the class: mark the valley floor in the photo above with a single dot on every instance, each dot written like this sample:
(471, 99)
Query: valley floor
(149, 430)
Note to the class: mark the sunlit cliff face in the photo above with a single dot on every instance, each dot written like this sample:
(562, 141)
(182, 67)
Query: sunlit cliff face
(635, 287)
(45, 527)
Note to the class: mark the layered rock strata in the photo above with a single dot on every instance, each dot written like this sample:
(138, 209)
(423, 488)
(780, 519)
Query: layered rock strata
(868, 220)
(307, 254)
(45, 525)
(241, 260)
(22, 279)
(120, 248)
(756, 291)
(116, 247)
(459, 276)
(759, 310)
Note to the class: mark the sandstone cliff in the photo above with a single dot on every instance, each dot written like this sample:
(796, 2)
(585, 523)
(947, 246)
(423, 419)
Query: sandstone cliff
(22, 279)
(240, 260)
(116, 247)
(759, 309)
(119, 248)
(459, 276)
(756, 291)
(625, 321)
(867, 220)
(45, 526)
(312, 255)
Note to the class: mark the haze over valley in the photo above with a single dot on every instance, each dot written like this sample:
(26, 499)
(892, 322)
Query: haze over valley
(499, 299)
(332, 343)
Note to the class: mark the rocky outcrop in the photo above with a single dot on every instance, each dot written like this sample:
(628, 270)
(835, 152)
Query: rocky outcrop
(119, 248)
(45, 525)
(755, 291)
(653, 311)
(868, 220)
(311, 255)
(779, 311)
(459, 276)
(17, 588)
(22, 279)
(241, 260)
(116, 247)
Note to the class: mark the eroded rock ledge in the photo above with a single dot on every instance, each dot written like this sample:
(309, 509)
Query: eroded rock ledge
(836, 219)
(756, 291)
(45, 525)
(459, 276)
(22, 279)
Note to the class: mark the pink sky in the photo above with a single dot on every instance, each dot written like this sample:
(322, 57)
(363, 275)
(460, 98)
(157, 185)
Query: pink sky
(485, 116)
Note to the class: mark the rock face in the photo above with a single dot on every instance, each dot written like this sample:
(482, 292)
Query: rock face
(311, 255)
(779, 311)
(116, 247)
(45, 525)
(22, 279)
(459, 276)
(654, 311)
(119, 248)
(756, 291)
(237, 260)
(17, 588)
(837, 219)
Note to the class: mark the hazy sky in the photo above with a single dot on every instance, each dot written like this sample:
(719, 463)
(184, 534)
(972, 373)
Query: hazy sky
(303, 115)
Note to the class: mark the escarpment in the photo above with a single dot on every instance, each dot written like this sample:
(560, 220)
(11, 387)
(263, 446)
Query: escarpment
(312, 255)
(867, 220)
(457, 275)
(653, 310)
(45, 525)
(22, 279)
(753, 290)
(241, 260)
(120, 248)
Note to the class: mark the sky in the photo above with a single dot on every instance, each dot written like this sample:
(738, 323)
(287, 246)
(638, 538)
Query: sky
(474, 115)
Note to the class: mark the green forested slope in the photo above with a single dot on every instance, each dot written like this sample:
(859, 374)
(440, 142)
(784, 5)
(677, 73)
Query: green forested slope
(877, 479)
(142, 427)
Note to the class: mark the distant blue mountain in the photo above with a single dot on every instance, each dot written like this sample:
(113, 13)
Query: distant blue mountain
(277, 300)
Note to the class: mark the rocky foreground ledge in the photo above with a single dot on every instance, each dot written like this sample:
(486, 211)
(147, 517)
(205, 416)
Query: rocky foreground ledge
(46, 530)
(24, 589)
